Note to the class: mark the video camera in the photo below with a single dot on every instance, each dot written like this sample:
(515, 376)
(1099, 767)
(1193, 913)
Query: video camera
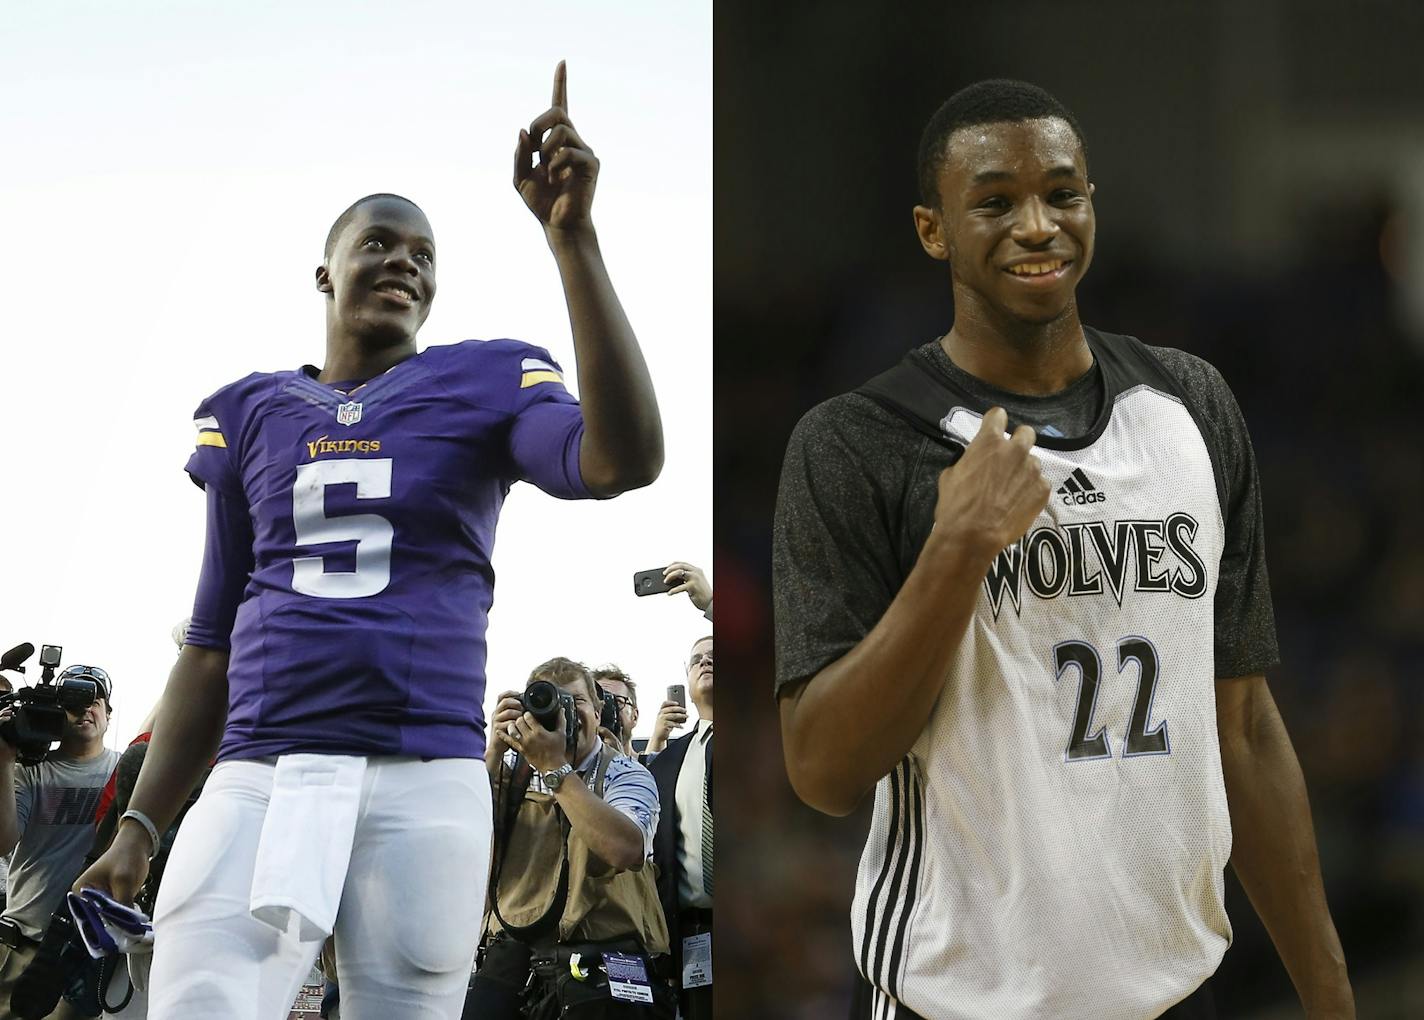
(40, 712)
(554, 709)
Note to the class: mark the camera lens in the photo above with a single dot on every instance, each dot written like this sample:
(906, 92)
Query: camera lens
(541, 700)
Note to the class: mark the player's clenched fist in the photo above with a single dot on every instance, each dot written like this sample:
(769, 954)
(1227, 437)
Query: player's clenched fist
(990, 497)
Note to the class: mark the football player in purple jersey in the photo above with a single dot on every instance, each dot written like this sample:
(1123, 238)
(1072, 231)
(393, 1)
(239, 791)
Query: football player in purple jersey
(335, 662)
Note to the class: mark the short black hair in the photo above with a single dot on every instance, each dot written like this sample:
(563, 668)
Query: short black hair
(345, 218)
(994, 101)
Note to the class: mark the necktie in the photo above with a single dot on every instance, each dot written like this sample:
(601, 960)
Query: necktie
(707, 822)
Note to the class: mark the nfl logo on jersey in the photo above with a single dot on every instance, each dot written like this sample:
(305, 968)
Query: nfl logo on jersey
(348, 413)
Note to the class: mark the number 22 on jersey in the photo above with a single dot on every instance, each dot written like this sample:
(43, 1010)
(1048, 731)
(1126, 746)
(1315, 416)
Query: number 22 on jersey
(1138, 741)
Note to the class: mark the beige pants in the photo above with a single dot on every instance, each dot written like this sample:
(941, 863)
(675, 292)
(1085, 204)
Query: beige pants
(12, 964)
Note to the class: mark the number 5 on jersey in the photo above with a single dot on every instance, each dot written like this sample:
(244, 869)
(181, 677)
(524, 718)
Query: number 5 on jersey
(372, 533)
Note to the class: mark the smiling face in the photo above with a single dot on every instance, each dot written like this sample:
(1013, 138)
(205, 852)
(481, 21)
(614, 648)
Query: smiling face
(89, 725)
(1015, 220)
(379, 275)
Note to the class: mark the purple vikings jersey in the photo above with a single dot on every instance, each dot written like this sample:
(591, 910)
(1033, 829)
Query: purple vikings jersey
(361, 628)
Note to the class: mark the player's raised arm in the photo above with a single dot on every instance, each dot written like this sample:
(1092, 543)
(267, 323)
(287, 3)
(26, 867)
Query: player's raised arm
(622, 445)
(849, 725)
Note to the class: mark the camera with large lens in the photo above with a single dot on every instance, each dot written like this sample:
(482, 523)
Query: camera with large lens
(554, 709)
(41, 711)
(608, 716)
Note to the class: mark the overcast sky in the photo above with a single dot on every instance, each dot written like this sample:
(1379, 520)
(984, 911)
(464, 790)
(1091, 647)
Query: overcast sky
(169, 176)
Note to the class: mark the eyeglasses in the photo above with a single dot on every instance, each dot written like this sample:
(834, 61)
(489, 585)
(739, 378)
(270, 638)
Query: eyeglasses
(621, 701)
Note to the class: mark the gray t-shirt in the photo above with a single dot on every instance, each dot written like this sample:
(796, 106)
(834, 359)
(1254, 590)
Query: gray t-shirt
(55, 803)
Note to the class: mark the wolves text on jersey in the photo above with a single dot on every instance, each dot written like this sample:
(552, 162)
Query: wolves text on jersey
(1088, 558)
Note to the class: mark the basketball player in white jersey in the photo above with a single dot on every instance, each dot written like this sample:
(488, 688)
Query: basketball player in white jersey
(1021, 594)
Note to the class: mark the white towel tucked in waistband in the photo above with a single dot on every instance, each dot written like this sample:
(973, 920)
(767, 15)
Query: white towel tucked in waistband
(305, 847)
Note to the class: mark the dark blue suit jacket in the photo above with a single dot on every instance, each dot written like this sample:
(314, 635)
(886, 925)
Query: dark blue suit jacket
(665, 768)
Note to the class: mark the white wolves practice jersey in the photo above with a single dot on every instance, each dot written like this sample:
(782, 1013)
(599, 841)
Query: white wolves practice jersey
(1054, 843)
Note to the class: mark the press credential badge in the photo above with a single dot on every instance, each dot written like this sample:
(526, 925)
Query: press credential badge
(697, 960)
(627, 978)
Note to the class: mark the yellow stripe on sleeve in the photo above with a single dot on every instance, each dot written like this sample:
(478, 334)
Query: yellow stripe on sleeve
(212, 439)
(535, 378)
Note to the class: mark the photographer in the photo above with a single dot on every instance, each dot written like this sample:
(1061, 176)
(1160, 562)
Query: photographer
(572, 899)
(47, 817)
(619, 685)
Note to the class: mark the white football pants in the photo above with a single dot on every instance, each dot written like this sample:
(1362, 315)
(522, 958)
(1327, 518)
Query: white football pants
(410, 910)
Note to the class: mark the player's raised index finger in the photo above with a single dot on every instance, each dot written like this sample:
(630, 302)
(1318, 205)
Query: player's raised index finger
(561, 87)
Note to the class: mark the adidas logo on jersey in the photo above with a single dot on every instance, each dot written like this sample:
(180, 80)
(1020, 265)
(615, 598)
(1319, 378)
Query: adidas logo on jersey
(1079, 489)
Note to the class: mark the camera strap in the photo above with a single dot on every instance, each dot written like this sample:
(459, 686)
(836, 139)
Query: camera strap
(108, 967)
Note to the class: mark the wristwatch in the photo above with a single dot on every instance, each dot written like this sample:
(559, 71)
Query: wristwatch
(552, 780)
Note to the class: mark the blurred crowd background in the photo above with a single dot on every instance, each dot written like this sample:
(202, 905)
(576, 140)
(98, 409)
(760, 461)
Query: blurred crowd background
(1260, 199)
